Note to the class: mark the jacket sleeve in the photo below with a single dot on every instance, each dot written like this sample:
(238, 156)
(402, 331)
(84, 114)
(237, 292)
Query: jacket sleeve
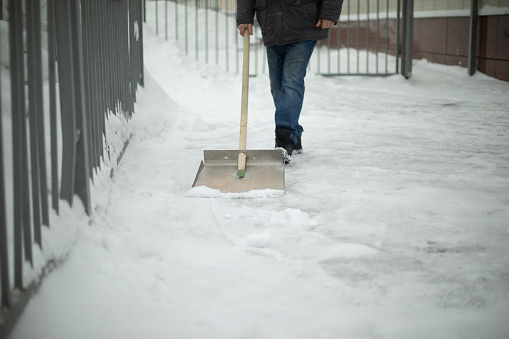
(330, 10)
(245, 11)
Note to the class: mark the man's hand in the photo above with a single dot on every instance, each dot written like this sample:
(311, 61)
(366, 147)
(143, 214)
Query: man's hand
(243, 27)
(324, 24)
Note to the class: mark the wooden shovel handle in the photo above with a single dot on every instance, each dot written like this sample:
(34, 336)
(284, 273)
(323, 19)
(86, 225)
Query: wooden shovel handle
(243, 108)
(245, 91)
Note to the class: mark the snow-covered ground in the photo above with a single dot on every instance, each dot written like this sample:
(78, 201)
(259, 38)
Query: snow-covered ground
(394, 222)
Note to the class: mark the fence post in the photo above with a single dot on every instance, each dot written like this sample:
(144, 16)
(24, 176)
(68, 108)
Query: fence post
(75, 157)
(4, 254)
(141, 72)
(53, 106)
(472, 38)
(36, 118)
(408, 38)
(21, 221)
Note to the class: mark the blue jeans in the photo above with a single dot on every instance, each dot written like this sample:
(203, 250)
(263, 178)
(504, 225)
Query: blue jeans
(287, 69)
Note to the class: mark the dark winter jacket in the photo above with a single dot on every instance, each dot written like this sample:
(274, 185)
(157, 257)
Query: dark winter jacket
(288, 21)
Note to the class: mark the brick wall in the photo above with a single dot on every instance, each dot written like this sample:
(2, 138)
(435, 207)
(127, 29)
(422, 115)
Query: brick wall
(442, 40)
(445, 41)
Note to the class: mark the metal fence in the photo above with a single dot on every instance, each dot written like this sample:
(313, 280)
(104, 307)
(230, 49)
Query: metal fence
(94, 54)
(370, 39)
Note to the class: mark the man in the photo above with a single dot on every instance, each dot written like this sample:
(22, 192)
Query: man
(290, 29)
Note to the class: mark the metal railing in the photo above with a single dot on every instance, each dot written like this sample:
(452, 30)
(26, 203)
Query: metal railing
(368, 40)
(94, 66)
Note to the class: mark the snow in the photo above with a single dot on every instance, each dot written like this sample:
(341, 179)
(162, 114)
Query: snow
(394, 222)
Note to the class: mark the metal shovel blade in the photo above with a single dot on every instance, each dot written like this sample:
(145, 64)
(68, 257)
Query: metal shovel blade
(265, 169)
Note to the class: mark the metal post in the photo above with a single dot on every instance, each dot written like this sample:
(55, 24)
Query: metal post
(36, 116)
(95, 95)
(472, 39)
(41, 141)
(358, 32)
(75, 157)
(397, 45)
(20, 171)
(348, 40)
(67, 97)
(141, 79)
(87, 82)
(408, 38)
(53, 106)
(4, 254)
(196, 29)
(367, 37)
(81, 180)
(387, 38)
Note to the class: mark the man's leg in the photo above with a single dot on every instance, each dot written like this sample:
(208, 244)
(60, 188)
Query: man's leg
(287, 69)
(275, 59)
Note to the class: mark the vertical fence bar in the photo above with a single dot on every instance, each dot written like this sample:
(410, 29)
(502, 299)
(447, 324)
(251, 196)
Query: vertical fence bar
(217, 32)
(207, 31)
(140, 74)
(87, 80)
(358, 32)
(328, 53)
(387, 37)
(75, 168)
(318, 58)
(176, 20)
(166, 19)
(227, 45)
(256, 49)
(185, 28)
(4, 253)
(472, 37)
(120, 57)
(41, 142)
(264, 59)
(114, 56)
(196, 29)
(339, 46)
(127, 61)
(67, 97)
(81, 180)
(408, 36)
(18, 135)
(33, 111)
(348, 39)
(397, 51)
(367, 36)
(110, 47)
(377, 41)
(52, 105)
(98, 94)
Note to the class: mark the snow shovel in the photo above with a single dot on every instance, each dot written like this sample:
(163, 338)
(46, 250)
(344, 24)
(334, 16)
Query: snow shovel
(237, 171)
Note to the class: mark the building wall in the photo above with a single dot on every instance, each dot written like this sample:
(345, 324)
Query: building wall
(444, 39)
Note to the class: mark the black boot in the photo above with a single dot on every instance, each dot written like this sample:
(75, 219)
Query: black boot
(284, 140)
